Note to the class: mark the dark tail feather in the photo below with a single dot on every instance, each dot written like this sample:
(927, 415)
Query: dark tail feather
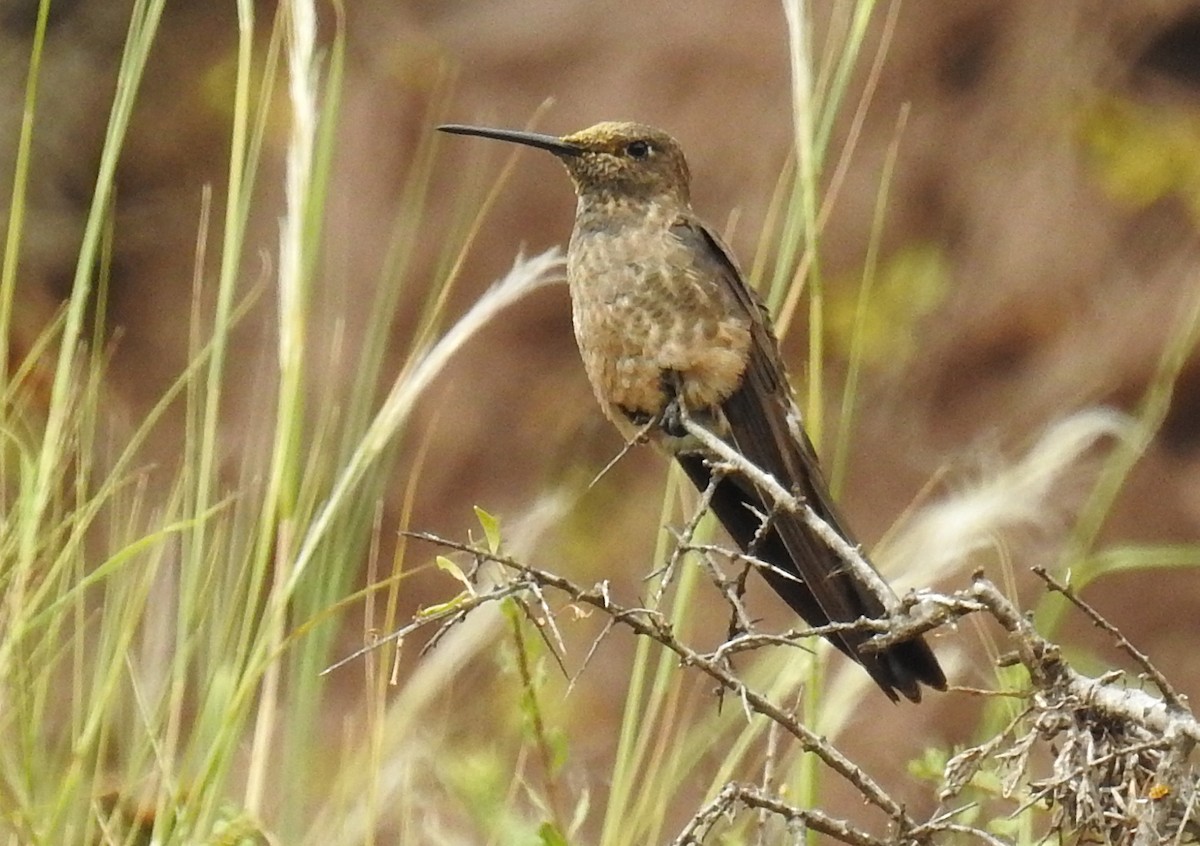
(901, 668)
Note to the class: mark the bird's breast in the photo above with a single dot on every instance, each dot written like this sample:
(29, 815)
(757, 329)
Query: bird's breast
(648, 313)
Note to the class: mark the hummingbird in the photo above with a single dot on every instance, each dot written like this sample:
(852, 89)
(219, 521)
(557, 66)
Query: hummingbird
(666, 325)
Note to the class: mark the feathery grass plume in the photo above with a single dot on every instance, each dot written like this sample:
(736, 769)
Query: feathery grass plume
(526, 276)
(1028, 493)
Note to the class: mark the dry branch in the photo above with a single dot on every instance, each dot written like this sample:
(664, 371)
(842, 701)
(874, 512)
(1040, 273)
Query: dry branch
(1121, 756)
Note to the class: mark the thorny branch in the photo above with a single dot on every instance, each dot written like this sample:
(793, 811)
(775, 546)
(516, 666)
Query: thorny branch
(1169, 693)
(1118, 750)
(650, 623)
(1121, 756)
(724, 454)
(749, 796)
(1120, 771)
(1121, 768)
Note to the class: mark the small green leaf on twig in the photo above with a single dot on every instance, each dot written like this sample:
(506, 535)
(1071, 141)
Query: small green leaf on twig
(443, 607)
(454, 570)
(491, 529)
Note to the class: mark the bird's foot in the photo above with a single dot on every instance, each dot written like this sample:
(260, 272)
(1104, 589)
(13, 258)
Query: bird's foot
(673, 420)
(674, 416)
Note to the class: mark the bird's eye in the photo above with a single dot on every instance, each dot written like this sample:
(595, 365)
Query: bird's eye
(637, 149)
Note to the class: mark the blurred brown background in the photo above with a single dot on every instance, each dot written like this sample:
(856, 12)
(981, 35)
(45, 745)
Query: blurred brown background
(1039, 240)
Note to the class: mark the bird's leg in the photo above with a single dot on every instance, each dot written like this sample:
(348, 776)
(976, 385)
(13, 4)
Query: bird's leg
(674, 416)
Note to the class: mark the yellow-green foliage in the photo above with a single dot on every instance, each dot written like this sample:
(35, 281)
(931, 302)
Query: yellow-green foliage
(884, 309)
(1142, 153)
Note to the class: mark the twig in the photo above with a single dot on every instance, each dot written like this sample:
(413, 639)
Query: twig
(453, 612)
(911, 617)
(1140, 658)
(851, 557)
(590, 654)
(639, 437)
(1047, 669)
(1120, 768)
(683, 541)
(731, 589)
(650, 623)
(540, 624)
(735, 794)
(1114, 749)
(1177, 816)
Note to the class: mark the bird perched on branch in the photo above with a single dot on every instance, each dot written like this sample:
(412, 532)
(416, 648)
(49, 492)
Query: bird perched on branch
(671, 336)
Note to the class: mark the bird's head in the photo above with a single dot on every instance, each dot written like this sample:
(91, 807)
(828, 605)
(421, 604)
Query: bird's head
(612, 159)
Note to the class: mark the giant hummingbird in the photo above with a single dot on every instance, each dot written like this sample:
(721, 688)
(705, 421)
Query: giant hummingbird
(666, 326)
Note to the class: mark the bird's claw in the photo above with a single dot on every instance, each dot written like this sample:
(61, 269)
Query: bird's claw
(674, 416)
(673, 419)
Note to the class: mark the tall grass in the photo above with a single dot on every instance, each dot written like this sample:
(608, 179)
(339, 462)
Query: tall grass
(159, 666)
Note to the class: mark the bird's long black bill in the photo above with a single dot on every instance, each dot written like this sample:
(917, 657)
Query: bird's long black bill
(530, 139)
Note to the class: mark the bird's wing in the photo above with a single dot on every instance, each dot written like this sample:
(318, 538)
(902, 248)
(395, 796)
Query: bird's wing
(765, 428)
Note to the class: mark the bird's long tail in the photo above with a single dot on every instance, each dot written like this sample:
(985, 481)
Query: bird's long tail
(901, 668)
